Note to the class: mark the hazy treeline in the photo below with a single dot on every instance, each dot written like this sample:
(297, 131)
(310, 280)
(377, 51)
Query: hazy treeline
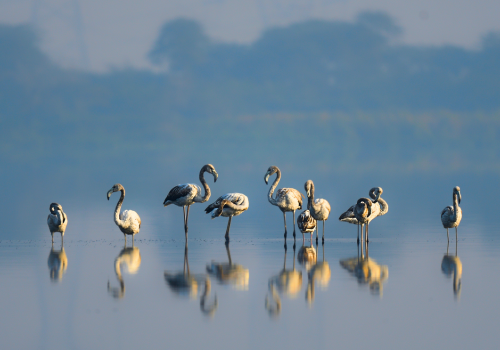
(337, 96)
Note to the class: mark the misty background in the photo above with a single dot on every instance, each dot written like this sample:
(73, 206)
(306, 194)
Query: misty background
(347, 103)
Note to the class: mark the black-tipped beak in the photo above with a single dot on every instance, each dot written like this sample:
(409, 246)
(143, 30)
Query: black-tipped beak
(266, 178)
(110, 192)
(215, 176)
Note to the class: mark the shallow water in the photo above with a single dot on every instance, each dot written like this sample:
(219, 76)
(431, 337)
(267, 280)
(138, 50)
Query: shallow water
(400, 293)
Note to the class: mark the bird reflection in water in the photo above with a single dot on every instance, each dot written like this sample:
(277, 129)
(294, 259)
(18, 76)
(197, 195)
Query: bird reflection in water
(287, 282)
(185, 283)
(58, 263)
(319, 273)
(307, 256)
(228, 273)
(452, 266)
(366, 270)
(130, 257)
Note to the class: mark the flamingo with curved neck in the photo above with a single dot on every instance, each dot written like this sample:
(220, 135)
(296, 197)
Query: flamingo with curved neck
(57, 220)
(184, 195)
(319, 208)
(127, 221)
(375, 194)
(229, 205)
(452, 215)
(287, 199)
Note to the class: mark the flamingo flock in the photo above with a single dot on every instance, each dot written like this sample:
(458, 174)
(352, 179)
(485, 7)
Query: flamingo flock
(234, 204)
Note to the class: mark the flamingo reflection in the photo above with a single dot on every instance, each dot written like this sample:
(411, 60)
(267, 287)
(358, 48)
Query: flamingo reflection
(131, 258)
(286, 282)
(58, 263)
(367, 270)
(307, 256)
(452, 266)
(319, 273)
(229, 273)
(188, 284)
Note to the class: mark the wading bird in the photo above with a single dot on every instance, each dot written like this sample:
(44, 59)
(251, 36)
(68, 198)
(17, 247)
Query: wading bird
(228, 205)
(375, 193)
(320, 208)
(187, 194)
(306, 223)
(452, 215)
(127, 221)
(57, 220)
(287, 199)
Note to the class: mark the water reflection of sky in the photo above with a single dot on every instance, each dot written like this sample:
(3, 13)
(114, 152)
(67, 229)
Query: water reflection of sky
(418, 307)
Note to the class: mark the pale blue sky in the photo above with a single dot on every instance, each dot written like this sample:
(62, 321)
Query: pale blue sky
(118, 33)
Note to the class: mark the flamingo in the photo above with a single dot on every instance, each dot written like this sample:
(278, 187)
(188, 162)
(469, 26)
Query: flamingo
(287, 199)
(320, 208)
(452, 215)
(57, 220)
(228, 205)
(128, 221)
(187, 194)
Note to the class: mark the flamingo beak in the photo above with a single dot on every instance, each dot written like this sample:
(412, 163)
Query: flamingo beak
(459, 197)
(110, 192)
(266, 178)
(215, 176)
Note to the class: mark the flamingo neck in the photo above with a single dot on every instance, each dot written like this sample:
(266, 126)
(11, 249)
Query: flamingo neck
(118, 208)
(59, 215)
(273, 187)
(384, 207)
(206, 197)
(455, 207)
(311, 205)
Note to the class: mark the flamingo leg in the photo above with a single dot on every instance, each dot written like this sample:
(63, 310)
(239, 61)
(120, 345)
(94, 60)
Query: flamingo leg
(303, 238)
(323, 239)
(312, 238)
(456, 234)
(184, 216)
(358, 233)
(228, 227)
(284, 219)
(125, 236)
(448, 234)
(316, 233)
(187, 217)
(294, 225)
(367, 231)
(52, 233)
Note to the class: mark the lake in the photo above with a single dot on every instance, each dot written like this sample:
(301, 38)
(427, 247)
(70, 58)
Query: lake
(407, 289)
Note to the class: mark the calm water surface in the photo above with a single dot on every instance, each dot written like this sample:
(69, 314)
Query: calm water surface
(407, 290)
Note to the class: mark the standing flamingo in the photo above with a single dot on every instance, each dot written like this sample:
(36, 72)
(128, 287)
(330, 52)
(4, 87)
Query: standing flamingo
(187, 194)
(320, 208)
(128, 221)
(287, 199)
(375, 193)
(229, 205)
(452, 215)
(57, 220)
(306, 223)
